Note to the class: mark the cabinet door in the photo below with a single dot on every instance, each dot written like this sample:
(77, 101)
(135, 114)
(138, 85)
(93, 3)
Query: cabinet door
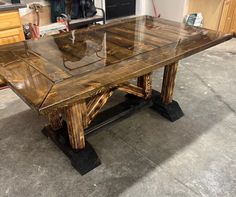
(227, 21)
(9, 20)
(233, 25)
(11, 36)
(10, 27)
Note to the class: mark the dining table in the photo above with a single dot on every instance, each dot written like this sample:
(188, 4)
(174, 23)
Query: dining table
(70, 77)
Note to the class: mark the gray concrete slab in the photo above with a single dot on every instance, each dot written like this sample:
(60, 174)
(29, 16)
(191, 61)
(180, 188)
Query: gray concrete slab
(200, 149)
(144, 155)
(31, 165)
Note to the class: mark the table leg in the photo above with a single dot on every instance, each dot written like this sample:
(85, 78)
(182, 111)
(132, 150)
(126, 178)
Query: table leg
(71, 140)
(55, 120)
(145, 82)
(2, 83)
(168, 83)
(165, 104)
(74, 115)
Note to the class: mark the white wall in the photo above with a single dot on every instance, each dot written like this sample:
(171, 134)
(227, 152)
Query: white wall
(100, 4)
(140, 7)
(169, 9)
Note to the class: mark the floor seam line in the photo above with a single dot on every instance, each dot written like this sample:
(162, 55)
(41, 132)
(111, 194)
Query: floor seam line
(219, 97)
(182, 183)
(153, 164)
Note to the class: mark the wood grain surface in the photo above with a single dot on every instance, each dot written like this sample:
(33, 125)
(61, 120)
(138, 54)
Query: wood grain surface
(55, 120)
(74, 116)
(58, 71)
(168, 83)
(11, 30)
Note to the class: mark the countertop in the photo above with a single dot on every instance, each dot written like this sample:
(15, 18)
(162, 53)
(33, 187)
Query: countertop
(9, 6)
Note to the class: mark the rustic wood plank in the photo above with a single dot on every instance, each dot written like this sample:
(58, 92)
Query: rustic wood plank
(132, 34)
(130, 44)
(75, 124)
(143, 88)
(145, 82)
(81, 56)
(105, 78)
(2, 82)
(168, 83)
(151, 32)
(49, 70)
(96, 60)
(132, 89)
(26, 82)
(118, 50)
(7, 57)
(96, 104)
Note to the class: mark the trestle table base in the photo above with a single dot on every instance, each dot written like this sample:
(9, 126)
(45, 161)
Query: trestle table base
(86, 159)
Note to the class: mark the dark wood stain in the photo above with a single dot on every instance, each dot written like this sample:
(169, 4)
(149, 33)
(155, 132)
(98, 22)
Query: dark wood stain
(58, 71)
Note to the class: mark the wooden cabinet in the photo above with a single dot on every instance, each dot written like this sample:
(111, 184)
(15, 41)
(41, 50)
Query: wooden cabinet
(210, 9)
(227, 22)
(218, 14)
(10, 27)
(233, 24)
(11, 30)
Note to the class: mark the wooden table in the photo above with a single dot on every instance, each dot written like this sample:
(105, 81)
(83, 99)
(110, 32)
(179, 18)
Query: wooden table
(70, 77)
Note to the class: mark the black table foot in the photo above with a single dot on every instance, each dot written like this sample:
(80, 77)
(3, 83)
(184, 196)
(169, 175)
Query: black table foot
(83, 160)
(171, 111)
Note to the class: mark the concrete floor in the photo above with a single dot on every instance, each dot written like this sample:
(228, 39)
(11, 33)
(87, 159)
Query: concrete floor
(144, 155)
